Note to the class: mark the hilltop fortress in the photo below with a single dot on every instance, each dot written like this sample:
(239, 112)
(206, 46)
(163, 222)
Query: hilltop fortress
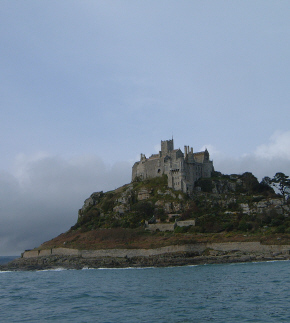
(182, 169)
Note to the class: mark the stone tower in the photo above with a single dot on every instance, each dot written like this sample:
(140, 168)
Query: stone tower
(166, 147)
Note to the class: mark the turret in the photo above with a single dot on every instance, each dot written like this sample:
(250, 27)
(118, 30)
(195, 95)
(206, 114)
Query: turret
(185, 151)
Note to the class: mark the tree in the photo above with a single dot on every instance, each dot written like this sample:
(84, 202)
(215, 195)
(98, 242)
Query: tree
(266, 181)
(250, 182)
(282, 183)
(265, 186)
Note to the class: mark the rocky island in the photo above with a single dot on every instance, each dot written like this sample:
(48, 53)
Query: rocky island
(176, 211)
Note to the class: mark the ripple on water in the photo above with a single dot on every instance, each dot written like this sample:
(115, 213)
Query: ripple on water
(247, 292)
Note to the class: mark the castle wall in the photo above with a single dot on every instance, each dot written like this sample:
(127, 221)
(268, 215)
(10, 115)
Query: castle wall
(207, 169)
(153, 168)
(176, 180)
(134, 171)
(199, 157)
(139, 170)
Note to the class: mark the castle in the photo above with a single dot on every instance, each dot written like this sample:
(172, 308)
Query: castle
(182, 169)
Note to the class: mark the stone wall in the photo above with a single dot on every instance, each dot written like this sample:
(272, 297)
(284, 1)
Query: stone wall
(161, 226)
(248, 247)
(45, 252)
(30, 254)
(185, 223)
(168, 226)
(65, 252)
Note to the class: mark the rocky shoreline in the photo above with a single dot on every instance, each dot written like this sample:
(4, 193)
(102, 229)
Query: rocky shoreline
(161, 260)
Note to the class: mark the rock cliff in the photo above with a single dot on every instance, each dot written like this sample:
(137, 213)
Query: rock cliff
(220, 203)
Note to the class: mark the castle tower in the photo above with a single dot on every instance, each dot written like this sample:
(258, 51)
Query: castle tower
(166, 146)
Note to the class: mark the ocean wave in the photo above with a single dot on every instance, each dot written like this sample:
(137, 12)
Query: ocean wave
(126, 268)
(6, 271)
(54, 269)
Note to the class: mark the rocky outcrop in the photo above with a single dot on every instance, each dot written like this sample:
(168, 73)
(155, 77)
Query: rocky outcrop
(94, 199)
(223, 187)
(221, 203)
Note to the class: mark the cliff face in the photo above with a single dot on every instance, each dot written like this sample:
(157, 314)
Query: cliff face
(132, 205)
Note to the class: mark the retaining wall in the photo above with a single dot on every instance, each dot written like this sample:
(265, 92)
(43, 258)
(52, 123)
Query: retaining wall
(161, 226)
(185, 223)
(254, 247)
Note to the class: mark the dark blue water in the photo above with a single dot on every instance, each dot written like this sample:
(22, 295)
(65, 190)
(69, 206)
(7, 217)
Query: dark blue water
(251, 292)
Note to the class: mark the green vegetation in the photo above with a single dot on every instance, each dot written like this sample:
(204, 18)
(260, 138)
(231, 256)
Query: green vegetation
(222, 203)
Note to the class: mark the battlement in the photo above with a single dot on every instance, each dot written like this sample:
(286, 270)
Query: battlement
(182, 169)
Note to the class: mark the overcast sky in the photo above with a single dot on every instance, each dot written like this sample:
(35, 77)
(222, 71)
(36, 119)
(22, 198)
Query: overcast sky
(86, 86)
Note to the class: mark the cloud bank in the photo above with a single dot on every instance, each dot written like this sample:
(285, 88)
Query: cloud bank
(42, 198)
(266, 160)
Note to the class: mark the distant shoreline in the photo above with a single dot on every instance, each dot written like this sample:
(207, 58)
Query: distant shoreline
(6, 259)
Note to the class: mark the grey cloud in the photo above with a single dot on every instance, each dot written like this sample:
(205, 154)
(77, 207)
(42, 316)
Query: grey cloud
(266, 160)
(259, 166)
(43, 197)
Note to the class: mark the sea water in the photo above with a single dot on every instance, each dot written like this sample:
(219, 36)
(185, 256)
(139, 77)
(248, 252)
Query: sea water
(245, 292)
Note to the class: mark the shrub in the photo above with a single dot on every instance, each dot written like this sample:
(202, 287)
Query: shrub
(229, 227)
(181, 229)
(160, 214)
(143, 209)
(245, 226)
(205, 184)
(280, 229)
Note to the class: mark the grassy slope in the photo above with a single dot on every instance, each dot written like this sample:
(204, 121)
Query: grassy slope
(139, 238)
